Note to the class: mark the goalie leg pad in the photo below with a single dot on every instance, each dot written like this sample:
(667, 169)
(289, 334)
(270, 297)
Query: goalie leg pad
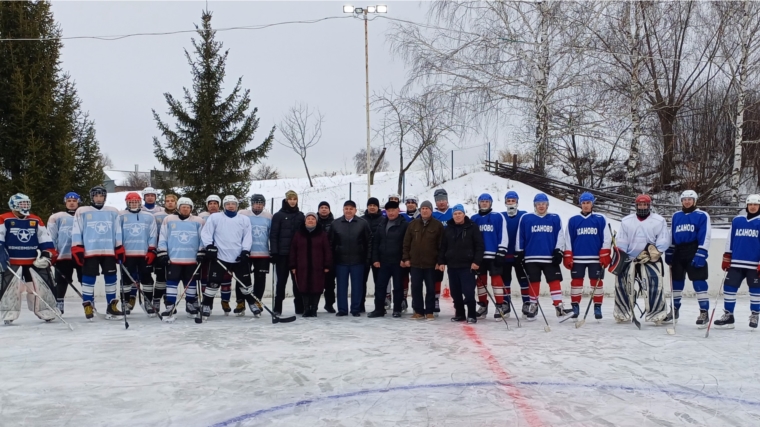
(10, 297)
(655, 307)
(623, 292)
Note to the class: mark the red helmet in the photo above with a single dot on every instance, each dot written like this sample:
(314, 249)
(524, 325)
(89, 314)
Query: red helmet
(133, 196)
(643, 198)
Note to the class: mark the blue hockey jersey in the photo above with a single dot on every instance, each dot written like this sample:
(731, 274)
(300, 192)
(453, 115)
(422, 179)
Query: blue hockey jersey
(59, 226)
(98, 230)
(139, 232)
(159, 215)
(585, 236)
(539, 236)
(512, 223)
(181, 239)
(691, 227)
(21, 237)
(743, 243)
(444, 217)
(261, 224)
(493, 227)
(410, 218)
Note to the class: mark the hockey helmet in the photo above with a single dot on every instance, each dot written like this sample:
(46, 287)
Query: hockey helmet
(411, 199)
(258, 198)
(541, 198)
(753, 199)
(643, 198)
(440, 194)
(213, 198)
(394, 196)
(21, 203)
(230, 199)
(149, 190)
(72, 195)
(133, 197)
(98, 190)
(184, 201)
(586, 197)
(511, 194)
(689, 194)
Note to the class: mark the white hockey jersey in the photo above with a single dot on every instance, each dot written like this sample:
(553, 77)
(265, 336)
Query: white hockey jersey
(231, 236)
(634, 234)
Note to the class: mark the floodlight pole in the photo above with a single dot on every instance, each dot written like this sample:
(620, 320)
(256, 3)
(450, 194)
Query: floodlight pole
(366, 81)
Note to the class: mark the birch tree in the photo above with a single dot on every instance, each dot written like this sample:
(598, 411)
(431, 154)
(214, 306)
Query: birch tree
(301, 129)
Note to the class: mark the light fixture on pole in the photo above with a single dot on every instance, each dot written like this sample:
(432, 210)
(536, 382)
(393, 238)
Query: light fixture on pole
(363, 12)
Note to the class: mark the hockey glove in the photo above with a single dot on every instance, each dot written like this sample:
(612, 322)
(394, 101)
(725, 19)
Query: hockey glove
(557, 257)
(643, 257)
(700, 259)
(567, 260)
(245, 259)
(162, 258)
(727, 261)
(150, 257)
(605, 258)
(498, 261)
(520, 257)
(77, 252)
(654, 253)
(211, 253)
(200, 255)
(669, 255)
(121, 254)
(44, 260)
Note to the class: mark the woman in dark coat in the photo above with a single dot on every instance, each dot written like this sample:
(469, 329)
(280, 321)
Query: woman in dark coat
(310, 259)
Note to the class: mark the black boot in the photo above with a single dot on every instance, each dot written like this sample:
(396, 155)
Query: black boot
(305, 311)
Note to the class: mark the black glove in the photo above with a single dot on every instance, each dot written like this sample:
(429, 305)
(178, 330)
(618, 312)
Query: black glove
(211, 253)
(244, 255)
(162, 258)
(200, 255)
(499, 260)
(557, 257)
(520, 257)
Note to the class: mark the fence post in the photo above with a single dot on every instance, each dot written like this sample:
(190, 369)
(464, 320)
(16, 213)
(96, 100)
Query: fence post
(514, 163)
(452, 164)
(349, 190)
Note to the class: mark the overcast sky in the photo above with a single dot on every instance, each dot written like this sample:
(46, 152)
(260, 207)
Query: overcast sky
(321, 64)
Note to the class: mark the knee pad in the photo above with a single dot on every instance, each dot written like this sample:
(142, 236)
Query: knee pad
(576, 283)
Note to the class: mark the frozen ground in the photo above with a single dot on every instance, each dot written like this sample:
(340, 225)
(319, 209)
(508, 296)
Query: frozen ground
(349, 371)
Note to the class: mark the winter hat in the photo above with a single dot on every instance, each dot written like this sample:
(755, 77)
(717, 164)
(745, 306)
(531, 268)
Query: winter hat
(349, 203)
(323, 203)
(426, 204)
(440, 194)
(459, 207)
(373, 201)
(311, 214)
(290, 194)
(391, 205)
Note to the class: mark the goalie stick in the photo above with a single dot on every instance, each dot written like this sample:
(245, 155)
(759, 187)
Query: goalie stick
(275, 318)
(54, 310)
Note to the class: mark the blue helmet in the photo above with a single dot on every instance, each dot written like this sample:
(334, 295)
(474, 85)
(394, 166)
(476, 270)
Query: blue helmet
(72, 195)
(20, 203)
(540, 197)
(511, 194)
(485, 196)
(586, 197)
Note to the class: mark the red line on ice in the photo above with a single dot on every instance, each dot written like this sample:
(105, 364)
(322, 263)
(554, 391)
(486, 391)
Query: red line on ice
(529, 414)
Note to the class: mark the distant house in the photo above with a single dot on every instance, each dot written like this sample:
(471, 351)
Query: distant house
(121, 180)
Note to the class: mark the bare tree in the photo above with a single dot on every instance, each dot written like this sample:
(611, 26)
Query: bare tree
(376, 156)
(265, 172)
(137, 180)
(301, 129)
(106, 161)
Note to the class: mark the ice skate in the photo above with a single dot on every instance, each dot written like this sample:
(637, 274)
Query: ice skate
(703, 320)
(404, 305)
(576, 310)
(525, 307)
(532, 310)
(7, 322)
(226, 308)
(113, 312)
(437, 308)
(597, 311)
(725, 322)
(148, 307)
(168, 315)
(191, 308)
(240, 308)
(156, 305)
(669, 317)
(482, 310)
(501, 309)
(255, 309)
(753, 319)
(59, 305)
(206, 312)
(561, 310)
(131, 303)
(88, 311)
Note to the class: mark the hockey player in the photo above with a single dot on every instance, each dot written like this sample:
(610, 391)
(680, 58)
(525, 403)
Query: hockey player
(442, 213)
(213, 205)
(742, 261)
(149, 197)
(493, 227)
(642, 239)
(139, 237)
(587, 250)
(59, 226)
(159, 288)
(261, 224)
(228, 239)
(180, 249)
(687, 254)
(96, 245)
(411, 209)
(512, 218)
(540, 242)
(22, 235)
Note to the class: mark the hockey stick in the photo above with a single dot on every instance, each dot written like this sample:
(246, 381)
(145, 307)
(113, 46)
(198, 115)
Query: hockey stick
(275, 318)
(717, 298)
(55, 311)
(139, 290)
(517, 316)
(123, 303)
(671, 331)
(547, 328)
(498, 308)
(581, 322)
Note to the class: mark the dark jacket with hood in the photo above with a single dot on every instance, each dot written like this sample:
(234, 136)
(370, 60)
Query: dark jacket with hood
(310, 255)
(285, 224)
(388, 242)
(462, 245)
(326, 223)
(351, 241)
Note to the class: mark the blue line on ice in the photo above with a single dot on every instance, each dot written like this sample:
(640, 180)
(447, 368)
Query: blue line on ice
(260, 412)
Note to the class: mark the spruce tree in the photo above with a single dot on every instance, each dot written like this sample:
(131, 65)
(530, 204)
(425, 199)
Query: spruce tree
(40, 115)
(207, 150)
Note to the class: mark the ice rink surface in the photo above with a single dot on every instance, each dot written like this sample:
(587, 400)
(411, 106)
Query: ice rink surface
(349, 371)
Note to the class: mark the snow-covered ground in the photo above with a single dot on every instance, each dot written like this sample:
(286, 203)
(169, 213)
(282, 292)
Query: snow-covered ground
(348, 371)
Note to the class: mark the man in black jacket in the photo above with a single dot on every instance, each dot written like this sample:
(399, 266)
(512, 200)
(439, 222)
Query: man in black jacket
(387, 249)
(285, 223)
(461, 251)
(350, 238)
(373, 216)
(325, 218)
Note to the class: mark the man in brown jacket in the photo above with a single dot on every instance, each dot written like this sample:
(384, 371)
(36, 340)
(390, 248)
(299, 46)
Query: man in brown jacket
(421, 243)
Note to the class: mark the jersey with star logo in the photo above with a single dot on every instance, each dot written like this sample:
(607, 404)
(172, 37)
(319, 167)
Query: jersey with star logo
(59, 225)
(261, 224)
(22, 237)
(181, 239)
(98, 230)
(138, 231)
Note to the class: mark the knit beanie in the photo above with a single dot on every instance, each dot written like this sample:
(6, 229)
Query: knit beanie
(391, 205)
(323, 203)
(459, 207)
(426, 204)
(373, 201)
(290, 194)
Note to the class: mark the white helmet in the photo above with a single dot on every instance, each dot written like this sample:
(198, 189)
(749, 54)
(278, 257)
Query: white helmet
(213, 198)
(149, 190)
(20, 202)
(689, 194)
(228, 199)
(184, 201)
(411, 199)
(753, 199)
(394, 196)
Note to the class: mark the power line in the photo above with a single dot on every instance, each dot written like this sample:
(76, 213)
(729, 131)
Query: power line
(168, 33)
